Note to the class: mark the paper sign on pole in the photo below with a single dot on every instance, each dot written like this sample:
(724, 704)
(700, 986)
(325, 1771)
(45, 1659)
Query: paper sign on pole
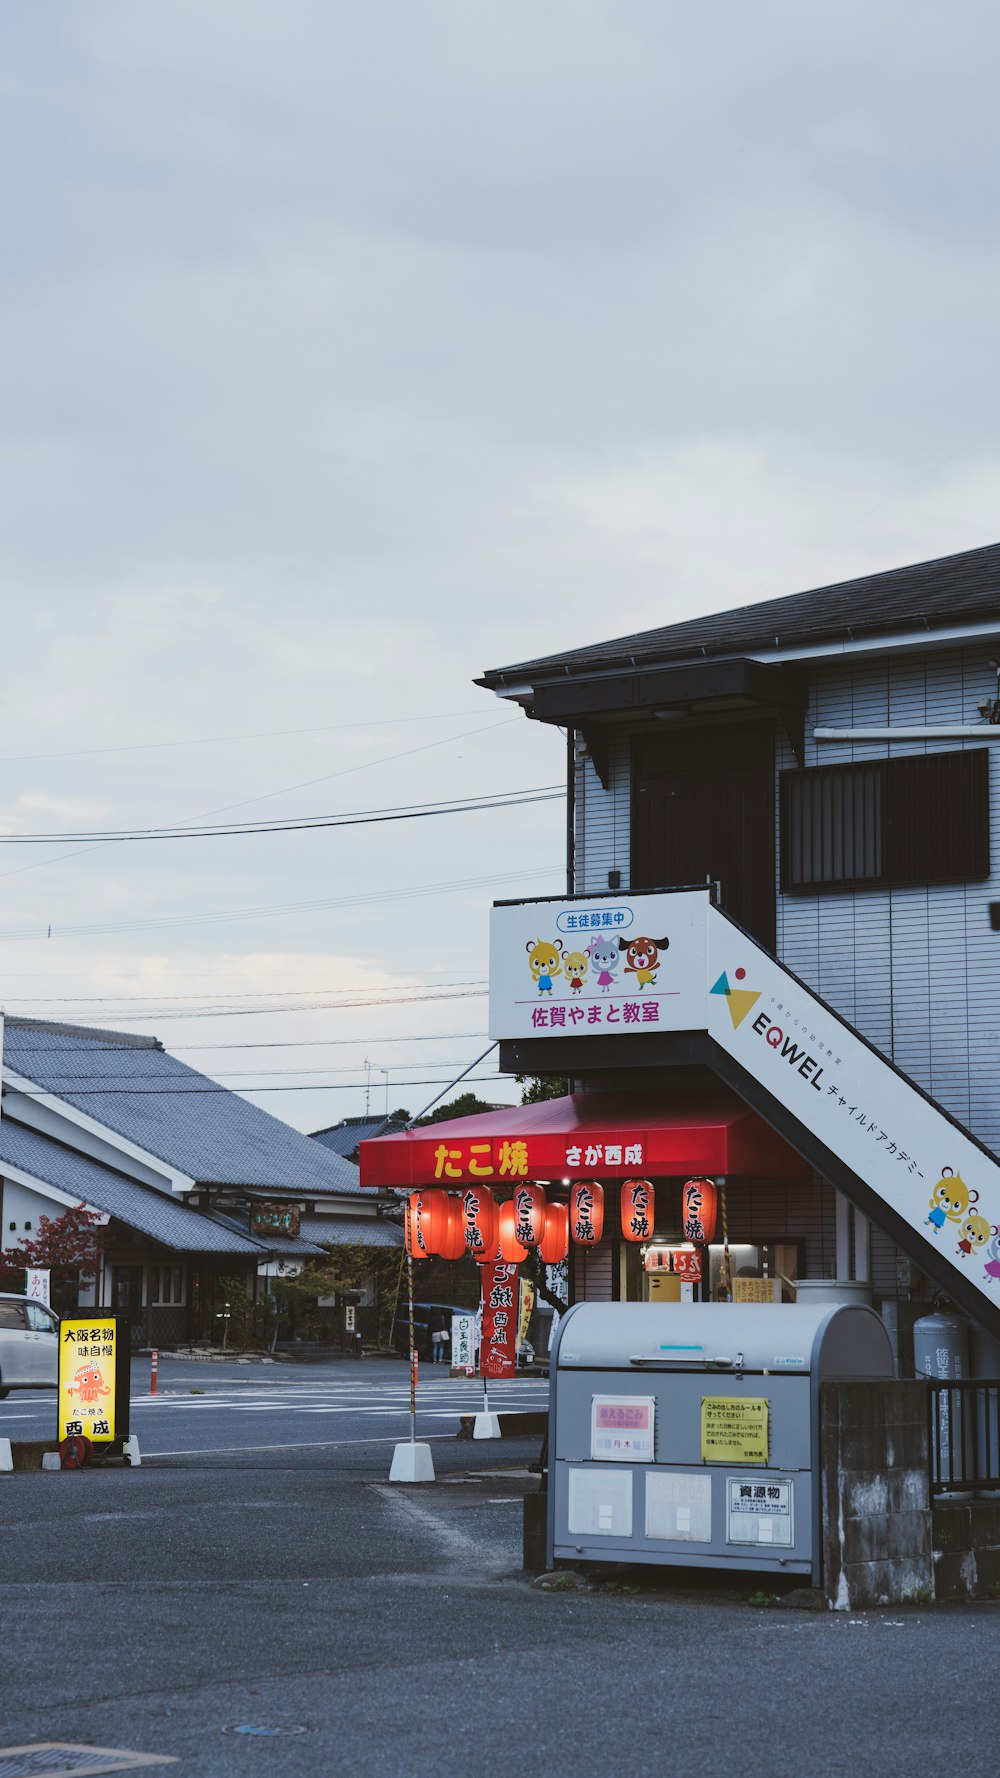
(500, 1318)
(527, 1310)
(37, 1286)
(734, 1429)
(463, 1344)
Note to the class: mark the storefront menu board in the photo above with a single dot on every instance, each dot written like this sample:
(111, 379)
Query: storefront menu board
(93, 1382)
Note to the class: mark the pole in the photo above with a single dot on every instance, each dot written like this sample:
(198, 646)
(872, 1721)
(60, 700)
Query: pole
(413, 1352)
(153, 1370)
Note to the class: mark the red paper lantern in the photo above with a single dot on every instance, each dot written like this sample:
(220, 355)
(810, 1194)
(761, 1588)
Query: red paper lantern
(480, 1222)
(427, 1223)
(638, 1210)
(700, 1199)
(509, 1248)
(452, 1242)
(554, 1244)
(529, 1214)
(586, 1212)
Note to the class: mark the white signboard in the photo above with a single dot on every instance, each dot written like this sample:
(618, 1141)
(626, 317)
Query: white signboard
(592, 968)
(621, 1428)
(463, 1344)
(881, 1126)
(38, 1286)
(759, 1511)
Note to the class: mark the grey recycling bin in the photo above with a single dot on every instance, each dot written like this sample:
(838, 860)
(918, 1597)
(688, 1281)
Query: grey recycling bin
(688, 1433)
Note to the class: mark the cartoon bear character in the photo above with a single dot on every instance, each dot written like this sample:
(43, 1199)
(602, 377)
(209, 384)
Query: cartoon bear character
(544, 961)
(975, 1233)
(603, 954)
(993, 1263)
(950, 1199)
(575, 968)
(643, 959)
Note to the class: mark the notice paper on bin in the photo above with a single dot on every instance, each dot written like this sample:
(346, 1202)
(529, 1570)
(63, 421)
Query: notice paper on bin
(759, 1512)
(734, 1429)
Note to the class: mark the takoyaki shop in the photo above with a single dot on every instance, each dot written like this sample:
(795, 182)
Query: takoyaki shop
(725, 1136)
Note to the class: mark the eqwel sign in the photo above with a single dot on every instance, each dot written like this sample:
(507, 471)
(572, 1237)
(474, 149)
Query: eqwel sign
(636, 964)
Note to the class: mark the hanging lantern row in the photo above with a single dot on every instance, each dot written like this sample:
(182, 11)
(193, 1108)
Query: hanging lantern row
(440, 1223)
(471, 1221)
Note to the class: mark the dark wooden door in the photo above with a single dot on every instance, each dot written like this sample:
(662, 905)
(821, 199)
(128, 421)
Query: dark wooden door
(703, 807)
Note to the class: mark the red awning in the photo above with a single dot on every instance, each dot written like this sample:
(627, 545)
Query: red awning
(588, 1136)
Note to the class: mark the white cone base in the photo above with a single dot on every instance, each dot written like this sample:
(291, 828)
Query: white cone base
(412, 1463)
(486, 1426)
(131, 1454)
(6, 1454)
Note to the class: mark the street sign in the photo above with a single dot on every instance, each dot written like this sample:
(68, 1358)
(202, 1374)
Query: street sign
(92, 1399)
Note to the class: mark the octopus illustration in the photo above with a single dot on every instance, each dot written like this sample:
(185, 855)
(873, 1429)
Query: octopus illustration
(88, 1383)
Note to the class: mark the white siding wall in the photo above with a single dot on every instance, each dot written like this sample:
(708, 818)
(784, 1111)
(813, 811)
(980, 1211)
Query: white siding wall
(916, 971)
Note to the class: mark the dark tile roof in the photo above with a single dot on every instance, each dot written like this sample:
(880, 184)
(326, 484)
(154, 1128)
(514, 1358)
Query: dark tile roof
(343, 1138)
(296, 1245)
(136, 1089)
(927, 595)
(352, 1231)
(140, 1207)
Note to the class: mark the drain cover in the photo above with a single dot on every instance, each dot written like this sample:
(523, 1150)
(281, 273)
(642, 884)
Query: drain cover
(260, 1728)
(53, 1759)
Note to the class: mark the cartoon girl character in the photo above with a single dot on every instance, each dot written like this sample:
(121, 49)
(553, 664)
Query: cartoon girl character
(975, 1233)
(575, 968)
(993, 1263)
(603, 953)
(950, 1199)
(544, 961)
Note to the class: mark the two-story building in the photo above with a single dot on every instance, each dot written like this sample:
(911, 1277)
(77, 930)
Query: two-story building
(779, 838)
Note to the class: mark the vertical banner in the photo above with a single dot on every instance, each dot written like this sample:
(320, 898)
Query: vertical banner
(501, 1306)
(93, 1389)
(463, 1345)
(526, 1311)
(37, 1286)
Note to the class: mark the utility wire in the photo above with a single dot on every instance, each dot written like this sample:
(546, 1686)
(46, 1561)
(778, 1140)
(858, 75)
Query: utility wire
(170, 922)
(273, 734)
(298, 824)
(194, 1092)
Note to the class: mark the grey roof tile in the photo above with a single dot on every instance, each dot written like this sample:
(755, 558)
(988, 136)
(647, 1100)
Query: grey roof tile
(140, 1207)
(352, 1231)
(134, 1087)
(924, 595)
(343, 1138)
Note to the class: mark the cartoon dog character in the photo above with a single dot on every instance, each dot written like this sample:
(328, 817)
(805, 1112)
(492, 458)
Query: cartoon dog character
(544, 961)
(575, 968)
(643, 959)
(603, 954)
(975, 1233)
(950, 1199)
(88, 1383)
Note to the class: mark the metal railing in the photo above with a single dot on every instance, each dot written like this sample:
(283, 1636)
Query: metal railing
(964, 1435)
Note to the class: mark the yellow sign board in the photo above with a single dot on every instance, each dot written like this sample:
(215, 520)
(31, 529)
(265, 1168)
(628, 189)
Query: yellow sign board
(526, 1307)
(87, 1394)
(734, 1429)
(756, 1290)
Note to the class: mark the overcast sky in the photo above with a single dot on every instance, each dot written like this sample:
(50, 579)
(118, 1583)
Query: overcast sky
(348, 350)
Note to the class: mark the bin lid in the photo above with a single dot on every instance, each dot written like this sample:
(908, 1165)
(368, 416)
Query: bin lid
(829, 1339)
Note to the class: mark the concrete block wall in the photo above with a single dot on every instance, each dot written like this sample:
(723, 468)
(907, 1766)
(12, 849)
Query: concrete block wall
(966, 1542)
(876, 1506)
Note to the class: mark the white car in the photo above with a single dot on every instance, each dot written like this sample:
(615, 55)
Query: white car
(29, 1345)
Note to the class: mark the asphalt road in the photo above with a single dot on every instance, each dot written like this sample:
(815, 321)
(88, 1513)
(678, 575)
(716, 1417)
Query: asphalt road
(274, 1581)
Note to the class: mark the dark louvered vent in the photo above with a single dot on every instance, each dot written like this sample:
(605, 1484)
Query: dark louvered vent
(886, 822)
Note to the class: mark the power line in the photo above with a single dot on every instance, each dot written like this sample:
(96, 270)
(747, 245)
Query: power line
(298, 824)
(240, 1012)
(170, 922)
(194, 1092)
(273, 734)
(280, 1043)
